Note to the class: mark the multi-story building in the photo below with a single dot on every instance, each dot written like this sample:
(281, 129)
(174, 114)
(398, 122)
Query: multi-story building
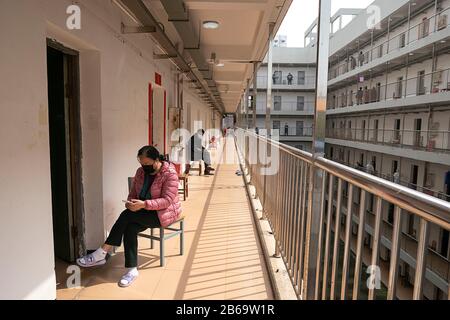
(388, 113)
(293, 82)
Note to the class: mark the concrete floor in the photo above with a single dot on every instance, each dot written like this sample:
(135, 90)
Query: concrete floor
(222, 260)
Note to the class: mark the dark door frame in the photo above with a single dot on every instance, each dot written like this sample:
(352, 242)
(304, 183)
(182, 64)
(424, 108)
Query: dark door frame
(72, 91)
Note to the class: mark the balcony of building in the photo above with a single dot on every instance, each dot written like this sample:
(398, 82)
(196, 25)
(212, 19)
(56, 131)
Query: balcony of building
(425, 140)
(287, 108)
(426, 145)
(382, 47)
(374, 94)
(284, 83)
(266, 225)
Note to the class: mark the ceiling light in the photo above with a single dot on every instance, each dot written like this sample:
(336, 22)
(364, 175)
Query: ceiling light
(443, 41)
(210, 24)
(411, 54)
(220, 64)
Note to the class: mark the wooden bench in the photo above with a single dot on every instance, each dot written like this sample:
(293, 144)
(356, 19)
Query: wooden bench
(163, 236)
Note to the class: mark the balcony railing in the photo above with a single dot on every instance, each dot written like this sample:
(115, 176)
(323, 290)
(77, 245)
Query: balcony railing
(306, 219)
(295, 131)
(284, 83)
(414, 33)
(427, 140)
(391, 177)
(426, 84)
(290, 107)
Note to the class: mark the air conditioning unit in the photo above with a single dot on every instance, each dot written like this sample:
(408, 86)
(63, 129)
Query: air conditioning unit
(442, 22)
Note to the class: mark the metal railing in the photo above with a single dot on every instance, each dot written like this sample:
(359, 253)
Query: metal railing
(287, 107)
(429, 140)
(287, 202)
(295, 131)
(283, 82)
(399, 180)
(435, 23)
(426, 84)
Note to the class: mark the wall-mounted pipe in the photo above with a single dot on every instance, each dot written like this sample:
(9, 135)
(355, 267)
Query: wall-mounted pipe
(144, 16)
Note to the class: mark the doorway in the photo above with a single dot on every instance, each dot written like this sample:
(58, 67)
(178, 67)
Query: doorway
(65, 148)
(417, 132)
(414, 176)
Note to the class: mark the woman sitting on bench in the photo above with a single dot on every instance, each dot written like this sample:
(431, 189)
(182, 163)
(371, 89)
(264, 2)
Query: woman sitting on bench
(153, 202)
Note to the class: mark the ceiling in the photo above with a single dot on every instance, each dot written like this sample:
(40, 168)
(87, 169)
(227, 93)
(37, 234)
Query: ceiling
(240, 39)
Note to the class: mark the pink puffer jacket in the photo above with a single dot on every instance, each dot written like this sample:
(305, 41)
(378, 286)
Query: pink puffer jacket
(164, 192)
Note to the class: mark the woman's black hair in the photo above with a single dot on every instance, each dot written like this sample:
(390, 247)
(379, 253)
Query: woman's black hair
(151, 152)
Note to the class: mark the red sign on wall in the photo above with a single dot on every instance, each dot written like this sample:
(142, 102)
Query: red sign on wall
(158, 78)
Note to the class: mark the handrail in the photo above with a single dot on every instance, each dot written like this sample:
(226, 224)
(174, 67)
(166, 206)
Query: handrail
(428, 207)
(287, 197)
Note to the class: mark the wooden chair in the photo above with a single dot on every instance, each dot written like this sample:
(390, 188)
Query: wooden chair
(199, 168)
(184, 190)
(163, 236)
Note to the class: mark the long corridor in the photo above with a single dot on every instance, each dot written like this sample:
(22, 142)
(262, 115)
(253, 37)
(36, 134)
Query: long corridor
(222, 260)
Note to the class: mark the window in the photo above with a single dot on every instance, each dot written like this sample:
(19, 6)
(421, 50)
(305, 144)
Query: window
(414, 176)
(397, 131)
(300, 103)
(421, 82)
(424, 28)
(299, 128)
(363, 130)
(276, 124)
(394, 166)
(402, 40)
(399, 88)
(375, 130)
(277, 103)
(390, 217)
(301, 77)
(380, 50)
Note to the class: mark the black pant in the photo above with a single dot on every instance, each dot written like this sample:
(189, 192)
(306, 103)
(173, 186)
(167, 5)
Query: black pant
(128, 226)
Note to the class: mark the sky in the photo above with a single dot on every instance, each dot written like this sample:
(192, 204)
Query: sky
(303, 12)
